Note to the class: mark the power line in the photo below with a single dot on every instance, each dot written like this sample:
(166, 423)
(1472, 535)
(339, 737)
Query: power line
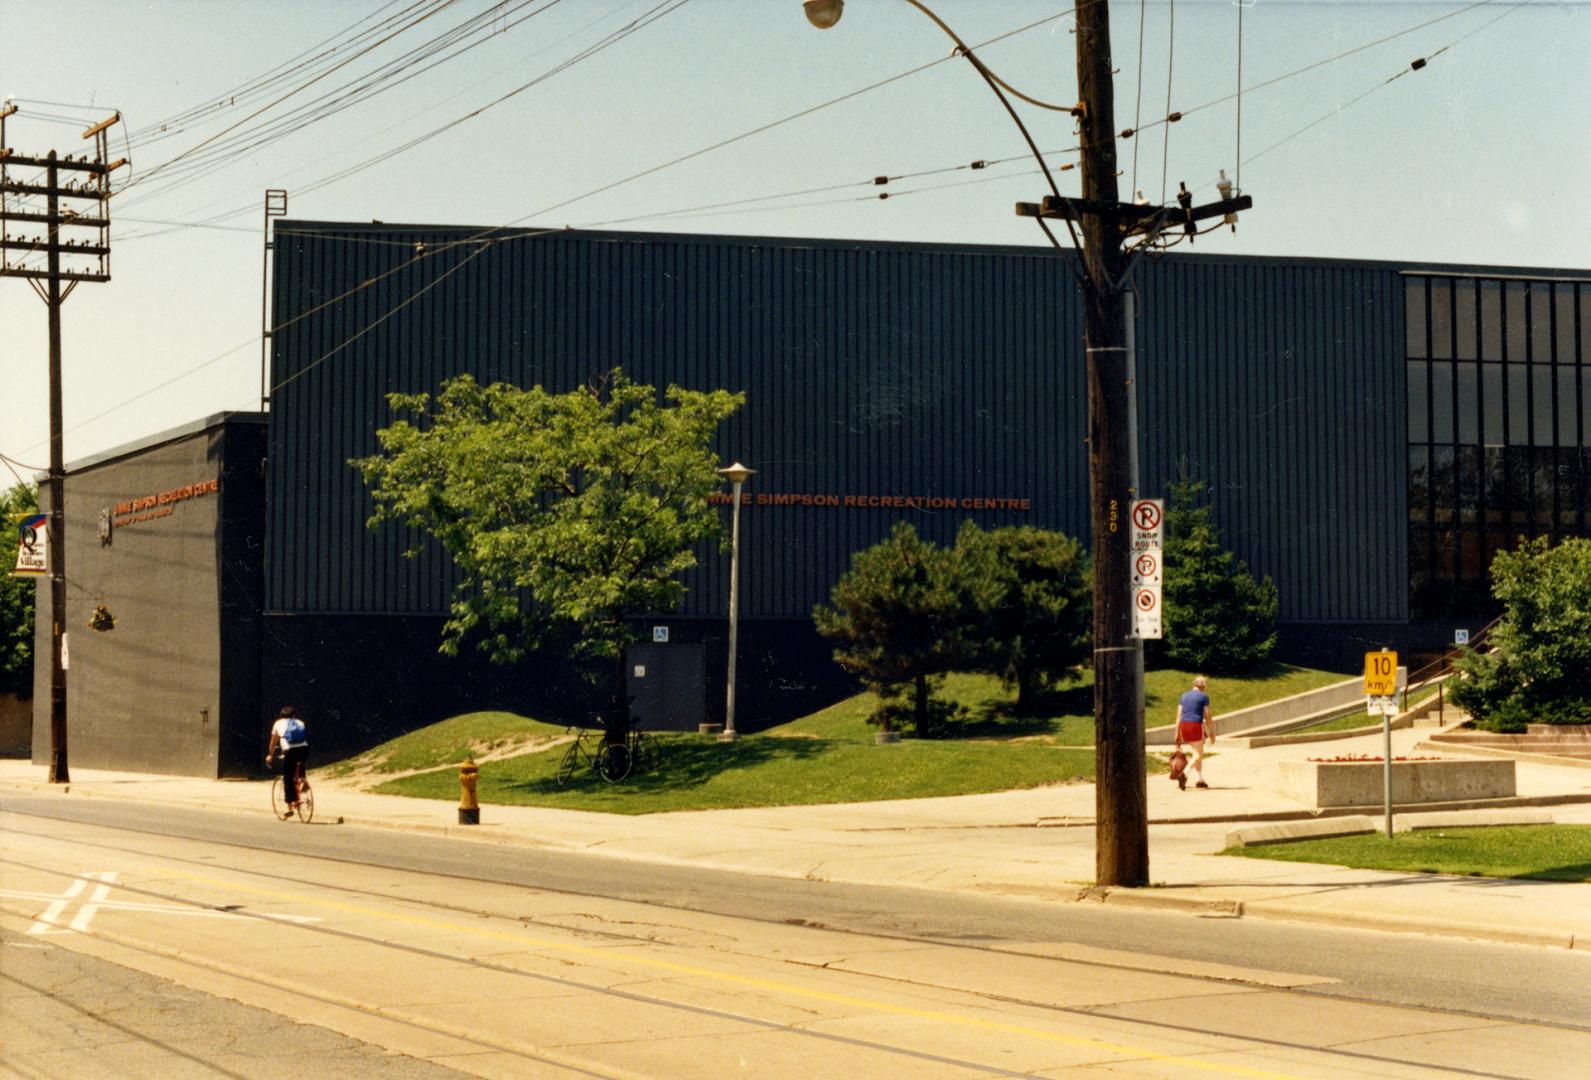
(227, 99)
(194, 149)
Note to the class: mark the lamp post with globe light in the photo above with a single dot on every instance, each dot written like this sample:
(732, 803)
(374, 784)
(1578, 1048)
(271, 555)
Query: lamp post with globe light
(737, 474)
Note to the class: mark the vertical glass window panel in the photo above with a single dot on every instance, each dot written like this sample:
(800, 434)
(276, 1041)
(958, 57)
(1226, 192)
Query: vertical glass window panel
(1444, 489)
(1514, 322)
(1467, 470)
(1442, 403)
(1496, 540)
(1414, 316)
(1570, 486)
(1494, 490)
(1563, 327)
(1419, 570)
(1465, 333)
(1444, 551)
(1585, 322)
(1568, 408)
(1441, 319)
(1518, 408)
(1471, 557)
(1419, 402)
(1491, 320)
(1419, 483)
(1541, 406)
(1517, 461)
(1541, 322)
(1547, 489)
(1492, 404)
(1467, 392)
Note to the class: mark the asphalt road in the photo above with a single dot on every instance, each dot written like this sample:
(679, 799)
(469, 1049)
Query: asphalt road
(1515, 982)
(417, 913)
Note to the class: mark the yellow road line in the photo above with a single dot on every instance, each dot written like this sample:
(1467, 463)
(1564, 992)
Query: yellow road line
(773, 985)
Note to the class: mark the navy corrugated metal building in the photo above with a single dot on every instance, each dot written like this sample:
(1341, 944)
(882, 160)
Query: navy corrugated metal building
(922, 382)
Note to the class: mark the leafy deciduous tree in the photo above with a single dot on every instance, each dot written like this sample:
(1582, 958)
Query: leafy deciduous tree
(1541, 647)
(564, 513)
(16, 602)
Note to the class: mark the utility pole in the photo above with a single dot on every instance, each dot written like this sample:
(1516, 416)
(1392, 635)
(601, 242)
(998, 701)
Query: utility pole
(1121, 847)
(91, 183)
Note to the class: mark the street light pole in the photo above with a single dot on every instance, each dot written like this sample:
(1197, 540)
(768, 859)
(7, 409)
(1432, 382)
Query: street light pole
(737, 474)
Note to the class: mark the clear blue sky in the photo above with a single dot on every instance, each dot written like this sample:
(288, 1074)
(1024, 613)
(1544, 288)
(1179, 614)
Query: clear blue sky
(1481, 157)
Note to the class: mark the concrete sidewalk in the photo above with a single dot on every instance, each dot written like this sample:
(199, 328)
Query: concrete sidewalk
(1036, 844)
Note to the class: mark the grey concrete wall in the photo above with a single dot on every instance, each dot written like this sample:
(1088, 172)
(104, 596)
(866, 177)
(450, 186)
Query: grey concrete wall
(146, 695)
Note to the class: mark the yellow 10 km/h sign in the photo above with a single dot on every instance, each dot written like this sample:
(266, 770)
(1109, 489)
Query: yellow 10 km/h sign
(1381, 673)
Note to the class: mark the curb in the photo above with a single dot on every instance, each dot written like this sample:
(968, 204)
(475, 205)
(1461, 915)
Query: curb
(1151, 898)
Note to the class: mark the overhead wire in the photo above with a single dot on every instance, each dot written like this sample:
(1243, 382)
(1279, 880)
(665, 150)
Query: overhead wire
(732, 139)
(658, 11)
(387, 76)
(804, 112)
(343, 148)
(442, 5)
(1138, 109)
(1174, 116)
(1238, 151)
(1171, 53)
(228, 99)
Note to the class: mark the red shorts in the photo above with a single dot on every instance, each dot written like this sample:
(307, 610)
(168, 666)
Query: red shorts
(1190, 731)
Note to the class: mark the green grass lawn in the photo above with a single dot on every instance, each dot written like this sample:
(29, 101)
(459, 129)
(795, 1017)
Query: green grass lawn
(448, 743)
(1543, 852)
(700, 773)
(826, 757)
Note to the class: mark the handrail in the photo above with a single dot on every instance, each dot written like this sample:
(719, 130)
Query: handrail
(1443, 665)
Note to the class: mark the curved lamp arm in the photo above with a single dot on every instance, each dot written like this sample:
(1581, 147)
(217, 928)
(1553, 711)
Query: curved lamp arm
(825, 13)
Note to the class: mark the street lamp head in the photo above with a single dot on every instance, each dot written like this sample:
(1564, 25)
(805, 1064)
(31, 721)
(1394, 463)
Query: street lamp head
(736, 473)
(823, 13)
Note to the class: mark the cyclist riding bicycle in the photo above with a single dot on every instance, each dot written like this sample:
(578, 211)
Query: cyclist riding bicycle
(290, 740)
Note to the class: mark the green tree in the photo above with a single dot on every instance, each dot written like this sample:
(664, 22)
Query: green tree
(900, 616)
(1540, 649)
(566, 514)
(16, 602)
(1038, 626)
(1218, 618)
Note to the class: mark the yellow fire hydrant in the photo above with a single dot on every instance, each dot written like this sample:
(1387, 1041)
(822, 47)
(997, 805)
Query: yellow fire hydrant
(469, 808)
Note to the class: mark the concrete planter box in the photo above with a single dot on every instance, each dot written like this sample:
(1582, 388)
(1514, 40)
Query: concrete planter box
(1331, 784)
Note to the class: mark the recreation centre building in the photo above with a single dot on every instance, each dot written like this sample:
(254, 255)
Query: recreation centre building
(1370, 433)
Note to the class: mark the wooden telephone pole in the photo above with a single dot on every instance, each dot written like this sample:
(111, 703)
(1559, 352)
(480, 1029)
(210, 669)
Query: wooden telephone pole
(1121, 850)
(90, 183)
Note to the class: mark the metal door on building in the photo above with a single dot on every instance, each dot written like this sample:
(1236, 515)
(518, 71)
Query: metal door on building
(667, 686)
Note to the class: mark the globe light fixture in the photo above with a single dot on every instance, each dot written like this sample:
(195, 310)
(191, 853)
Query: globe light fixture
(824, 13)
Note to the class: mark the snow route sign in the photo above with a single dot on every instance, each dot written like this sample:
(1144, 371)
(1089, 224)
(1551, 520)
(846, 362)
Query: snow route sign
(1147, 520)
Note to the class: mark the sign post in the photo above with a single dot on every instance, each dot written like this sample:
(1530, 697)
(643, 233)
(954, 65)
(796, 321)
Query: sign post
(1147, 517)
(1381, 695)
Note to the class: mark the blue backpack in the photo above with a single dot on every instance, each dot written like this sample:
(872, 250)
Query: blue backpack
(293, 734)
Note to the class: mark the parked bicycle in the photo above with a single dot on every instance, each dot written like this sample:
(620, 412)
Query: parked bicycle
(613, 758)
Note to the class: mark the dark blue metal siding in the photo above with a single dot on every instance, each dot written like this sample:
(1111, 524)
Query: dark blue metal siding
(869, 370)
(1281, 386)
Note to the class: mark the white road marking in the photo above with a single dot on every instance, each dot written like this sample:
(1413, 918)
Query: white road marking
(49, 920)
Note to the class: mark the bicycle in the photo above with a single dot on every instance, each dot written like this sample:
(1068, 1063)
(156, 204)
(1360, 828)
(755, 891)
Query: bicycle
(614, 759)
(306, 800)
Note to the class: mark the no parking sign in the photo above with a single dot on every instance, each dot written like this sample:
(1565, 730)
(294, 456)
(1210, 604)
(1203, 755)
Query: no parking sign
(1147, 517)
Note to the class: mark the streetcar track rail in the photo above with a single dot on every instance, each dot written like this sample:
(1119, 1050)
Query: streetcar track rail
(1093, 1013)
